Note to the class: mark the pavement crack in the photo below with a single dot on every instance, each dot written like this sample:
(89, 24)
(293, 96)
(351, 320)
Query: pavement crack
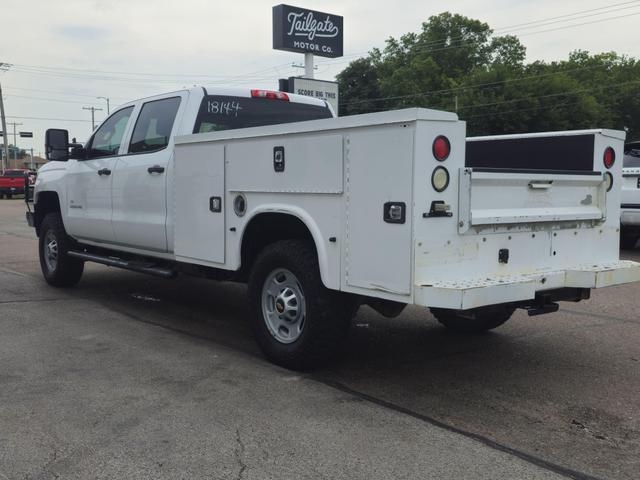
(527, 457)
(239, 454)
(34, 300)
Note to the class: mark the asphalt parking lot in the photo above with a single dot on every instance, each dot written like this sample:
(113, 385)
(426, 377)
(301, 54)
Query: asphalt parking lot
(128, 376)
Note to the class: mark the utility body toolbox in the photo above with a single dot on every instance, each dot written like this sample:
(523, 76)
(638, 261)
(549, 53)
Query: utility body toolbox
(403, 208)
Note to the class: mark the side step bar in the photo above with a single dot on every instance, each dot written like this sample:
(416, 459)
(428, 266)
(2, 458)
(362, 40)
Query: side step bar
(117, 262)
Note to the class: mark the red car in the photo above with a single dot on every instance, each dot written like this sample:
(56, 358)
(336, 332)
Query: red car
(12, 182)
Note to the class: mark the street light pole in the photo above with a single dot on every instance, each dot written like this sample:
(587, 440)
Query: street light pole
(93, 117)
(107, 99)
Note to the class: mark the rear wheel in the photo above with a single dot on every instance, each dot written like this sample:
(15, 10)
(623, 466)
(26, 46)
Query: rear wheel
(475, 320)
(297, 321)
(58, 268)
(9, 196)
(628, 241)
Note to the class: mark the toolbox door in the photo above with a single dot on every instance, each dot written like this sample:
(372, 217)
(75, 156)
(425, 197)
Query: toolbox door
(199, 212)
(379, 209)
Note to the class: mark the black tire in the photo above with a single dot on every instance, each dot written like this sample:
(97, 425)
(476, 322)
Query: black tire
(476, 320)
(628, 241)
(65, 271)
(9, 196)
(326, 316)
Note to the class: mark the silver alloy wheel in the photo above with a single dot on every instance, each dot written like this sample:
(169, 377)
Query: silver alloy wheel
(283, 306)
(51, 251)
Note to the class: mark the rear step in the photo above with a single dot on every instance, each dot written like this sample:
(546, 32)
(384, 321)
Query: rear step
(127, 265)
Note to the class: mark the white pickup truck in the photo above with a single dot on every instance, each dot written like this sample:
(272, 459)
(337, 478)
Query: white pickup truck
(630, 213)
(322, 214)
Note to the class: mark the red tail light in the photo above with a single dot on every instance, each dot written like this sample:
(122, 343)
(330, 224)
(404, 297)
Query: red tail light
(609, 157)
(268, 94)
(441, 148)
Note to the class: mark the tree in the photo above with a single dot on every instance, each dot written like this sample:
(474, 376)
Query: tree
(455, 63)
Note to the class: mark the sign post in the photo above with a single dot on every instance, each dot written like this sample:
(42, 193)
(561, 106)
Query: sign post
(310, 32)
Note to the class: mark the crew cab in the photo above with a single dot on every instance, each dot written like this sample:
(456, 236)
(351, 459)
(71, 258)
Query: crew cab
(320, 215)
(630, 214)
(13, 182)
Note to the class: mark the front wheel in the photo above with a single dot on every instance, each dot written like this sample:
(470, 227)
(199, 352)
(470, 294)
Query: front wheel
(58, 268)
(297, 321)
(475, 320)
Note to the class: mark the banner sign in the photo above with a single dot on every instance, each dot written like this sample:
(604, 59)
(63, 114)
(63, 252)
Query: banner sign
(315, 88)
(307, 31)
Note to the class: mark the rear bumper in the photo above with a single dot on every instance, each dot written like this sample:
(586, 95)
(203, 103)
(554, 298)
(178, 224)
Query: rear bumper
(471, 293)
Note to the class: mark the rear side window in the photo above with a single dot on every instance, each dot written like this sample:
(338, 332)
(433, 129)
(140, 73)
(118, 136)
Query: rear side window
(219, 112)
(154, 125)
(106, 141)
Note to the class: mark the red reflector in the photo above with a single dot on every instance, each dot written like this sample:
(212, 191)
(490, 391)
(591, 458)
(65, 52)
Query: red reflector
(441, 148)
(609, 157)
(271, 95)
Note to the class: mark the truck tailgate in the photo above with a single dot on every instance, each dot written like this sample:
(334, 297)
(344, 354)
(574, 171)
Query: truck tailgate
(495, 197)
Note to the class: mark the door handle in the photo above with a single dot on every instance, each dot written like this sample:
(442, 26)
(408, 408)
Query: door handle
(104, 171)
(155, 169)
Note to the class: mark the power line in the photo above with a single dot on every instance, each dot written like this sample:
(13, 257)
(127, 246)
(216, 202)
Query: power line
(427, 46)
(43, 99)
(467, 87)
(50, 119)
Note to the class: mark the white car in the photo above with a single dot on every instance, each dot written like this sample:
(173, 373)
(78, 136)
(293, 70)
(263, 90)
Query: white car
(630, 208)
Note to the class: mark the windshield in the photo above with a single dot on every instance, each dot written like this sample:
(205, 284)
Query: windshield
(632, 159)
(218, 112)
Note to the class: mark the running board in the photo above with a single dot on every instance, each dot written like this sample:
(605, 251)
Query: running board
(116, 262)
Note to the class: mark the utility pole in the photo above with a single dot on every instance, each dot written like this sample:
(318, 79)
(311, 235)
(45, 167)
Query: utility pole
(3, 66)
(5, 157)
(15, 141)
(93, 115)
(107, 99)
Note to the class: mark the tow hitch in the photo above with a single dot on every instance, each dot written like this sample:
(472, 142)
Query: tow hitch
(545, 302)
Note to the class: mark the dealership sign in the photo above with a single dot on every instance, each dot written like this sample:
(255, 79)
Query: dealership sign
(307, 31)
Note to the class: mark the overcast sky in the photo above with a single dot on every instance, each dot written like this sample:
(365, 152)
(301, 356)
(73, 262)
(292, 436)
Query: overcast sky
(66, 53)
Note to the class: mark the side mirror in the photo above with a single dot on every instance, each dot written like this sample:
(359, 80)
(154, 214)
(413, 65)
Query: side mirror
(56, 145)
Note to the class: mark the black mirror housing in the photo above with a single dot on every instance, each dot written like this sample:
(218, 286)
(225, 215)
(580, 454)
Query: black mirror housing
(56, 144)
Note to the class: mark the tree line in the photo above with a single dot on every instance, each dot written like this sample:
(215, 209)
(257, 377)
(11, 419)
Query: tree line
(456, 64)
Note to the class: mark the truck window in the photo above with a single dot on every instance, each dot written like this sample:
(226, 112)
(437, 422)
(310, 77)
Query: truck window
(154, 125)
(219, 112)
(106, 141)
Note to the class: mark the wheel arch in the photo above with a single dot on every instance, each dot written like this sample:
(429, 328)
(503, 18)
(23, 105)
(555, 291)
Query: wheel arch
(267, 225)
(46, 202)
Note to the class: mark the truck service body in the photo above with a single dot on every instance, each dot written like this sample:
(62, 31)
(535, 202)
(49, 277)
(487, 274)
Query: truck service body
(324, 214)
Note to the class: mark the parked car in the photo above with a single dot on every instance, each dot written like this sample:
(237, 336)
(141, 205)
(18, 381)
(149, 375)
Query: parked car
(12, 182)
(630, 208)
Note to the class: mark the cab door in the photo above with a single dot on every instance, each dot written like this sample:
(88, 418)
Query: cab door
(140, 177)
(89, 181)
